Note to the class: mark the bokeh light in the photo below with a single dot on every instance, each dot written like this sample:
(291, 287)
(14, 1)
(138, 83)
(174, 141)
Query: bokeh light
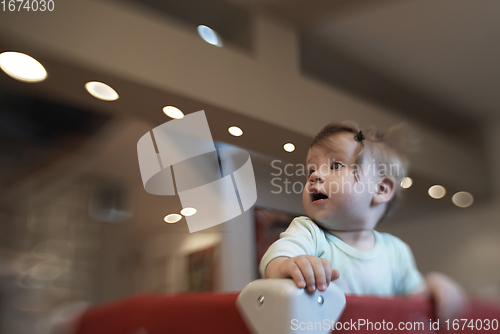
(173, 112)
(406, 182)
(462, 199)
(289, 147)
(437, 191)
(172, 218)
(209, 35)
(22, 67)
(235, 131)
(188, 211)
(101, 91)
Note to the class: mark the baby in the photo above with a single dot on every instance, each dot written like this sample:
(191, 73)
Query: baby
(352, 185)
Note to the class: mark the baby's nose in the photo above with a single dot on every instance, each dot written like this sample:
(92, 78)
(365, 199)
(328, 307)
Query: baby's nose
(317, 176)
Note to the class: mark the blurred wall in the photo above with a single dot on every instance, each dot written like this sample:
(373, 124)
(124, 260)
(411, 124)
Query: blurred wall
(141, 252)
(463, 243)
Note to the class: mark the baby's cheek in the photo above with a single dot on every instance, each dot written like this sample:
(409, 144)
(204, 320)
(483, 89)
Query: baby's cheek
(346, 200)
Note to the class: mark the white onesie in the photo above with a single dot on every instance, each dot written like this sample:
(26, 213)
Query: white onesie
(385, 270)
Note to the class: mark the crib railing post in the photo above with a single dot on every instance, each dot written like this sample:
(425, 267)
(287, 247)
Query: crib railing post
(277, 306)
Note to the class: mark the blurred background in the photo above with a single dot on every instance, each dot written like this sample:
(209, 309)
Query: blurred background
(75, 221)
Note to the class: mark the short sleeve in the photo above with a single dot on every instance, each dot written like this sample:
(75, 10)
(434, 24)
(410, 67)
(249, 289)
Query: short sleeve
(300, 238)
(411, 280)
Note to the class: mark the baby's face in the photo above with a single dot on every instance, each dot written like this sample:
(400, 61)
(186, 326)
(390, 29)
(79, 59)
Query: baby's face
(332, 197)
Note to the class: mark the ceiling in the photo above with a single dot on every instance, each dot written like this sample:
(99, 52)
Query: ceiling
(433, 63)
(445, 50)
(346, 32)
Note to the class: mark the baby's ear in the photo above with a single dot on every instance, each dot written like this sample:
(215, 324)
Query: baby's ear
(384, 190)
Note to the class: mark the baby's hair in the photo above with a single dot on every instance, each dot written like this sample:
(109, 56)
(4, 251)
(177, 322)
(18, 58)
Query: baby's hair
(385, 148)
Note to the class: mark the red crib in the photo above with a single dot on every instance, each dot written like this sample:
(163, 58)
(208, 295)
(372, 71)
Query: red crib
(210, 313)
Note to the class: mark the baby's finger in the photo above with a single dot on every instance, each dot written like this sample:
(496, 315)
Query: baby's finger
(335, 274)
(319, 273)
(307, 271)
(328, 271)
(294, 271)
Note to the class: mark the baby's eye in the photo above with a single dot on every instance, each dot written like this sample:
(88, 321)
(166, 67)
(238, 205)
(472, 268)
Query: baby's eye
(336, 165)
(310, 172)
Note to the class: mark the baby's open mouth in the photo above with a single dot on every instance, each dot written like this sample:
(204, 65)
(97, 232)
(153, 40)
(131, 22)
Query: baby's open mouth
(317, 196)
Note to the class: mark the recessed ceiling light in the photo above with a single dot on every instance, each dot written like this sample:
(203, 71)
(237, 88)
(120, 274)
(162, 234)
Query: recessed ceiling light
(209, 35)
(462, 199)
(173, 112)
(437, 192)
(172, 218)
(406, 182)
(22, 67)
(101, 91)
(235, 131)
(289, 147)
(188, 211)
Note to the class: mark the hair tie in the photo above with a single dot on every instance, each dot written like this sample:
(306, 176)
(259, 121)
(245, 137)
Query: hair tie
(359, 136)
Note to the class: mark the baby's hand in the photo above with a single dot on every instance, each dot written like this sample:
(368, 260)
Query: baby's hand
(450, 297)
(306, 270)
